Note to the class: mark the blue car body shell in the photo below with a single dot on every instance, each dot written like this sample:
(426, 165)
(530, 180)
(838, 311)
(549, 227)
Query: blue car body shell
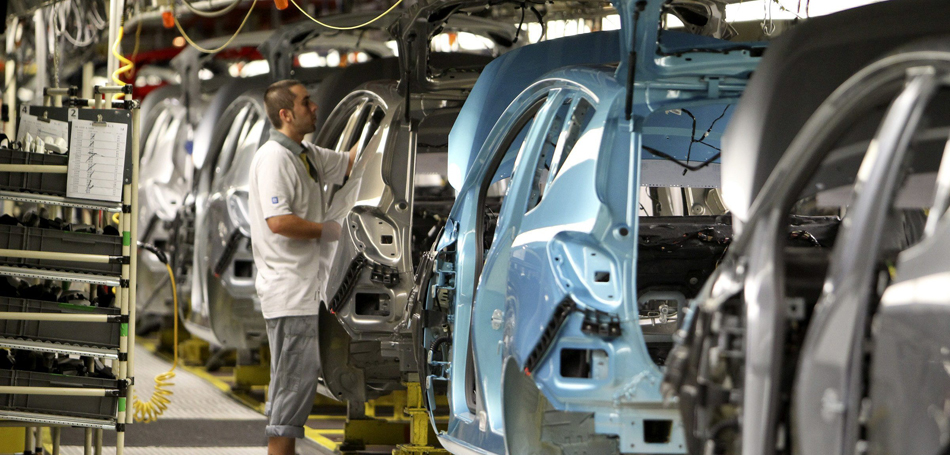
(516, 305)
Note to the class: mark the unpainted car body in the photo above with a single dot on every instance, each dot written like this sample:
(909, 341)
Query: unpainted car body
(172, 117)
(223, 306)
(538, 321)
(397, 196)
(164, 183)
(792, 332)
(212, 250)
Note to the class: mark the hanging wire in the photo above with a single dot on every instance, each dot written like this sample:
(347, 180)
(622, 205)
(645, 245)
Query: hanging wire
(223, 46)
(138, 38)
(87, 22)
(701, 139)
(354, 27)
(129, 67)
(520, 24)
(58, 18)
(544, 27)
(693, 140)
(671, 158)
(56, 64)
(768, 25)
(101, 22)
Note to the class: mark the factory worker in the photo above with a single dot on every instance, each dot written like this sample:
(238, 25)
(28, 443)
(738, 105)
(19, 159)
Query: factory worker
(289, 235)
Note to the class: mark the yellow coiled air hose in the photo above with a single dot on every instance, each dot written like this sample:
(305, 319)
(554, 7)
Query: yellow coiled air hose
(128, 65)
(149, 411)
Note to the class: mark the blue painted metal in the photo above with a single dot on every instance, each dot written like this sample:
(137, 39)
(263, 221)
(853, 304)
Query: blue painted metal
(507, 76)
(501, 300)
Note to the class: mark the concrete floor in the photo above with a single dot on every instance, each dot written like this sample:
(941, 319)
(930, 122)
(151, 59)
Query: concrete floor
(203, 418)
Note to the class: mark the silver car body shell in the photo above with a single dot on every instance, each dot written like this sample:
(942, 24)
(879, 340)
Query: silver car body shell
(831, 377)
(167, 164)
(364, 355)
(220, 302)
(752, 269)
(373, 262)
(803, 67)
(223, 307)
(909, 381)
(165, 181)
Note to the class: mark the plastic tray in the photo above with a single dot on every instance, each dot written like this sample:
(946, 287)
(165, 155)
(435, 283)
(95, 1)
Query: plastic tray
(93, 334)
(33, 182)
(86, 407)
(57, 241)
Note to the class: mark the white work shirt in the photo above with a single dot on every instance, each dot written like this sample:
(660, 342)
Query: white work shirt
(290, 278)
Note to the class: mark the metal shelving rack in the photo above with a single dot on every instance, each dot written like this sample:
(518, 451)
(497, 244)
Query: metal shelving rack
(122, 358)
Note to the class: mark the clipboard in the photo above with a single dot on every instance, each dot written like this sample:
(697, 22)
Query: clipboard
(31, 118)
(100, 156)
(120, 116)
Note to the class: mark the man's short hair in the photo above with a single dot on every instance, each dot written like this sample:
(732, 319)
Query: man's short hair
(278, 96)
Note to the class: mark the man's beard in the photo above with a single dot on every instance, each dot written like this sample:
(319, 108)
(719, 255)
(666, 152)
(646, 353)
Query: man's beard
(307, 127)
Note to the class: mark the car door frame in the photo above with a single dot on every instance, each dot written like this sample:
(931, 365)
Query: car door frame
(510, 217)
(465, 231)
(828, 385)
(762, 270)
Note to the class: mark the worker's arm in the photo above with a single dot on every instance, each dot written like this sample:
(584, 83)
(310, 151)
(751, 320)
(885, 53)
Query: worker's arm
(335, 166)
(295, 227)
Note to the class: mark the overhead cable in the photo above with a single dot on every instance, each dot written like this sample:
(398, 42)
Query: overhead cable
(223, 46)
(87, 22)
(702, 139)
(673, 159)
(354, 27)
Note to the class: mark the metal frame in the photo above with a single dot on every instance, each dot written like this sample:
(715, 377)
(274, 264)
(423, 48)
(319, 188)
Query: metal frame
(832, 359)
(749, 289)
(125, 295)
(59, 348)
(495, 300)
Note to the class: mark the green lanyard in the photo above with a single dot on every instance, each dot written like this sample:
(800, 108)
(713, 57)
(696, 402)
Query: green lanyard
(310, 169)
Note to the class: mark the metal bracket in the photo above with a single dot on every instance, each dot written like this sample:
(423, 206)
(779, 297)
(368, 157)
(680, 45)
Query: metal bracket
(348, 285)
(120, 260)
(561, 313)
(420, 442)
(600, 323)
(385, 275)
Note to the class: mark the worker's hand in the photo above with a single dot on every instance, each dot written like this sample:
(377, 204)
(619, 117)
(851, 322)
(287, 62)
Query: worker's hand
(331, 231)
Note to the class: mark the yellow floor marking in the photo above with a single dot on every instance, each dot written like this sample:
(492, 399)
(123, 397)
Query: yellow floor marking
(317, 436)
(323, 417)
(311, 433)
(47, 440)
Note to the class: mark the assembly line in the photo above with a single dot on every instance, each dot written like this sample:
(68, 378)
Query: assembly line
(475, 227)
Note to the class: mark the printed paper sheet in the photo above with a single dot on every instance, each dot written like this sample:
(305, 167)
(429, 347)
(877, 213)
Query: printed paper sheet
(97, 160)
